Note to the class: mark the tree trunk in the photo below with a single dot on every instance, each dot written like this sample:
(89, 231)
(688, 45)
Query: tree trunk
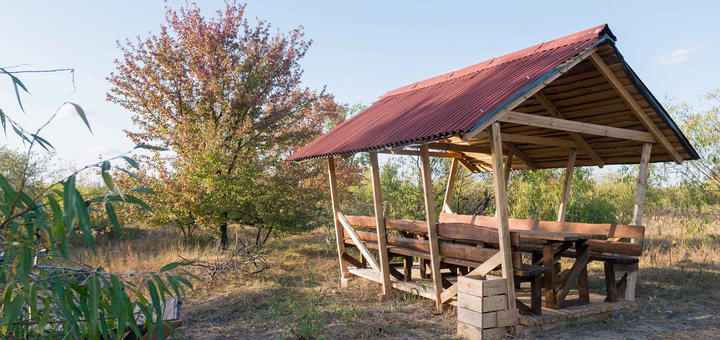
(224, 231)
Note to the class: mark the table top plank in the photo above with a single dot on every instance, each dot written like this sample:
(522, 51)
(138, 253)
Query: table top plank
(557, 236)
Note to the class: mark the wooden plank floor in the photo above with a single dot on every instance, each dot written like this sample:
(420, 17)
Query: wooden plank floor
(426, 289)
(596, 306)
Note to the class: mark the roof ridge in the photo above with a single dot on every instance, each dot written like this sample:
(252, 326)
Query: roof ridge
(583, 35)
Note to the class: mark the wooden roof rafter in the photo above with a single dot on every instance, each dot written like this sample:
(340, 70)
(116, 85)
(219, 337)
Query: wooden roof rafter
(582, 144)
(636, 108)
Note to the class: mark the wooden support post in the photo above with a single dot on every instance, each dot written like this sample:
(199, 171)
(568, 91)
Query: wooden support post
(638, 213)
(503, 222)
(380, 223)
(407, 267)
(432, 226)
(339, 235)
(508, 167)
(562, 211)
(450, 186)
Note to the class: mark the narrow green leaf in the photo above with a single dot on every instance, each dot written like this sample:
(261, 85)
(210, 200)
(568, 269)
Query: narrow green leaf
(32, 301)
(59, 226)
(24, 265)
(191, 275)
(158, 309)
(94, 302)
(162, 288)
(185, 281)
(111, 214)
(143, 190)
(45, 315)
(108, 180)
(171, 266)
(151, 147)
(175, 286)
(132, 162)
(69, 198)
(9, 192)
(81, 112)
(84, 219)
(129, 174)
(44, 143)
(17, 82)
(12, 310)
(19, 133)
(2, 121)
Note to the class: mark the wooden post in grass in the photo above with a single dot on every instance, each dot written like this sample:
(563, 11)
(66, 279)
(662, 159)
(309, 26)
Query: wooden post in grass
(339, 235)
(431, 223)
(562, 211)
(380, 224)
(503, 223)
(638, 212)
(450, 186)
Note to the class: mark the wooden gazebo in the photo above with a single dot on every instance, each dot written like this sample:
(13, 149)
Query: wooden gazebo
(573, 101)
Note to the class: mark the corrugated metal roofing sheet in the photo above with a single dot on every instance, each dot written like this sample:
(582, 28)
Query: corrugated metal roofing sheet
(448, 104)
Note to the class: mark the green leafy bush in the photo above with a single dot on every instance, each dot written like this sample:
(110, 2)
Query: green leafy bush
(42, 297)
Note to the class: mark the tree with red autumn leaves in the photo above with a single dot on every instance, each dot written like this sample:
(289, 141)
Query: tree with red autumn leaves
(226, 98)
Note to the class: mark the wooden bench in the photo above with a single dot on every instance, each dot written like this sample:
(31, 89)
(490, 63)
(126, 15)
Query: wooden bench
(616, 252)
(462, 246)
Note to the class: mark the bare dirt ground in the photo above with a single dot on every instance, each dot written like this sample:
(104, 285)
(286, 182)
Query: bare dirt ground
(299, 296)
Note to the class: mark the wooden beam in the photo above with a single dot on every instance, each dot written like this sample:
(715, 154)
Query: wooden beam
(450, 186)
(417, 153)
(503, 222)
(519, 154)
(550, 107)
(515, 138)
(569, 125)
(469, 166)
(358, 242)
(530, 93)
(562, 211)
(380, 223)
(638, 212)
(508, 167)
(459, 148)
(431, 223)
(485, 268)
(344, 273)
(523, 139)
(635, 106)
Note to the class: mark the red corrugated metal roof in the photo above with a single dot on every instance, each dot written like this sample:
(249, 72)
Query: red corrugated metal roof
(448, 104)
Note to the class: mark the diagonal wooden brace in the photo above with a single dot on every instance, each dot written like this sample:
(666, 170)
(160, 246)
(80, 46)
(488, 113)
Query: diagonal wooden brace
(358, 242)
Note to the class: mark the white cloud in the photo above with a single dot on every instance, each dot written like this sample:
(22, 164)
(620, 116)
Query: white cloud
(68, 111)
(678, 56)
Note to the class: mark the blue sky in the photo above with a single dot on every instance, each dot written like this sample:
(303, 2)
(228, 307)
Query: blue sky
(360, 50)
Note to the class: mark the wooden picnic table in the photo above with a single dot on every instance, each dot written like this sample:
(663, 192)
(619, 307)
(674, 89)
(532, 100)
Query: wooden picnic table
(557, 286)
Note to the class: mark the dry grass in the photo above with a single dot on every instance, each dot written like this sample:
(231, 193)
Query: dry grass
(678, 291)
